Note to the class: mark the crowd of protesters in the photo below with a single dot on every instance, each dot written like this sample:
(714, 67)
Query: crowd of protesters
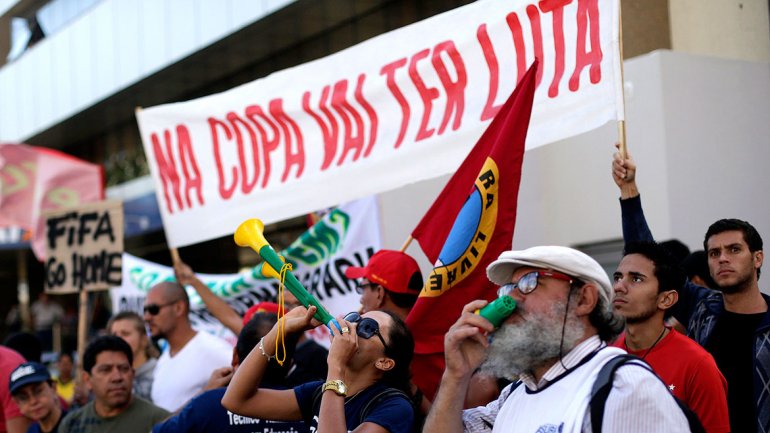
(557, 364)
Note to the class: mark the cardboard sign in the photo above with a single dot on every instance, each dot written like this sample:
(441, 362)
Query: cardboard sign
(346, 236)
(84, 246)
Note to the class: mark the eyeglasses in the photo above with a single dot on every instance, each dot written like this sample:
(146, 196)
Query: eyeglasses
(361, 286)
(365, 327)
(154, 309)
(528, 282)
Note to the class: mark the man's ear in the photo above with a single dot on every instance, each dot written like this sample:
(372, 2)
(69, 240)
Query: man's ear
(588, 297)
(385, 364)
(759, 257)
(380, 296)
(87, 380)
(667, 299)
(180, 309)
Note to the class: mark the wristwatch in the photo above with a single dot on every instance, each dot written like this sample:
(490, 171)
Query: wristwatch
(337, 386)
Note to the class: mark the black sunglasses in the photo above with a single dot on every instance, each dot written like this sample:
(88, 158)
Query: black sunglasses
(154, 309)
(365, 327)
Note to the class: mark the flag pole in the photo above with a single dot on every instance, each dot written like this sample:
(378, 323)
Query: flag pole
(82, 323)
(174, 255)
(406, 243)
(623, 149)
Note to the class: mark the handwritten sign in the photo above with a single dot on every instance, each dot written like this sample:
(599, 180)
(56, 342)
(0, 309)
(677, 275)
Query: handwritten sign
(84, 246)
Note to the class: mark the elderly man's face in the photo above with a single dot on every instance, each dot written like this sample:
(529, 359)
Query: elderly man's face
(532, 335)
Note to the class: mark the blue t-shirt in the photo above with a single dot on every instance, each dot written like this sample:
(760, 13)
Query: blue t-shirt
(205, 413)
(35, 427)
(393, 413)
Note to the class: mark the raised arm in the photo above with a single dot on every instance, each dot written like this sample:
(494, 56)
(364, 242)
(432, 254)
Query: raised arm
(465, 347)
(216, 306)
(245, 397)
(635, 226)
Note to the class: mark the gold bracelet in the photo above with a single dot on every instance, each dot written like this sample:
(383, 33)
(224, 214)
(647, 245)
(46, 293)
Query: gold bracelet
(262, 350)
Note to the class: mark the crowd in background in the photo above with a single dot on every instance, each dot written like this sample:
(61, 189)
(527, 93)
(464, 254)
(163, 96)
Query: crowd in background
(696, 322)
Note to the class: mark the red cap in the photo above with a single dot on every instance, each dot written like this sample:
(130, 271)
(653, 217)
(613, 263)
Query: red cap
(394, 270)
(262, 307)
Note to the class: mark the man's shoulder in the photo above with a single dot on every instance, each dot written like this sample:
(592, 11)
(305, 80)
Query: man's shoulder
(77, 419)
(144, 407)
(686, 345)
(204, 339)
(9, 359)
(210, 398)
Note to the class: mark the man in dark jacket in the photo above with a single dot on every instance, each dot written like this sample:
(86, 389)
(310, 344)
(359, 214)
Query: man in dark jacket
(733, 322)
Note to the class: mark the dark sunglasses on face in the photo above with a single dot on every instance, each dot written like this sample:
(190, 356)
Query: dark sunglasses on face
(365, 327)
(528, 282)
(154, 309)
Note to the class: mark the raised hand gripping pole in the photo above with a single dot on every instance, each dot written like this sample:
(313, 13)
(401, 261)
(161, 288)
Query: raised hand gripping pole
(251, 234)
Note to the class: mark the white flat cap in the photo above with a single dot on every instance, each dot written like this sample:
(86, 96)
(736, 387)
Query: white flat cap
(566, 260)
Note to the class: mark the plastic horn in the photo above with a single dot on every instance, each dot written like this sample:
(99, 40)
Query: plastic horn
(498, 310)
(251, 234)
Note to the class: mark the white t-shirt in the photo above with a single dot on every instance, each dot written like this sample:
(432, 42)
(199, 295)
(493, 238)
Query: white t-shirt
(181, 377)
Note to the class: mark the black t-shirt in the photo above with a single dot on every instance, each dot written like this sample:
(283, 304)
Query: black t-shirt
(732, 345)
(309, 364)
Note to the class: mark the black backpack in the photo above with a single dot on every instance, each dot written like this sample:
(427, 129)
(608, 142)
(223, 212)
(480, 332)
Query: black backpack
(603, 385)
(371, 404)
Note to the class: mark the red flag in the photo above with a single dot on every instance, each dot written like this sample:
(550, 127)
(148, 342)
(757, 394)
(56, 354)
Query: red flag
(37, 179)
(467, 227)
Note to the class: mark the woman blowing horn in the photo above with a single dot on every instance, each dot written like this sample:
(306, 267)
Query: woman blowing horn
(366, 387)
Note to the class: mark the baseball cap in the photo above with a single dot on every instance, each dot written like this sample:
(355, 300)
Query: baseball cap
(262, 307)
(29, 372)
(566, 260)
(394, 270)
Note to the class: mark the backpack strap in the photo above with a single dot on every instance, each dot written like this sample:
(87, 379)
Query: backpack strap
(366, 409)
(603, 385)
(316, 407)
(377, 398)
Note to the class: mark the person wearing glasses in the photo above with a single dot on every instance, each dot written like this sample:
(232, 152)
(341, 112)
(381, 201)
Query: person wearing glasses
(184, 368)
(108, 374)
(555, 341)
(130, 327)
(391, 281)
(34, 392)
(366, 388)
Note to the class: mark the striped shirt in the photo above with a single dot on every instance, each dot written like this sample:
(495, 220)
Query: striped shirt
(639, 401)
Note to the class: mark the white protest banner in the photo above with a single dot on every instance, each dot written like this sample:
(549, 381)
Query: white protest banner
(401, 107)
(346, 236)
(84, 246)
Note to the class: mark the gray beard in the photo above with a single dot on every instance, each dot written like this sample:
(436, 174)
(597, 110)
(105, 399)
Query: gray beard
(524, 346)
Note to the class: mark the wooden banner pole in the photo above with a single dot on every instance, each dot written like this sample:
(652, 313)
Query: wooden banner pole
(174, 255)
(82, 324)
(623, 149)
(406, 243)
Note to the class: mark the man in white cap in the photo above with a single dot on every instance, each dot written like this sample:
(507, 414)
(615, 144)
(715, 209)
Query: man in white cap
(556, 343)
